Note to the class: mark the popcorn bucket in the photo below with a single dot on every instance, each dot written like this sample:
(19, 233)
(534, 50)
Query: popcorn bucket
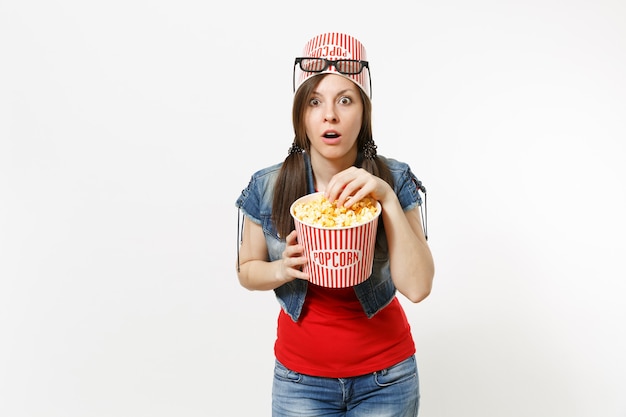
(338, 257)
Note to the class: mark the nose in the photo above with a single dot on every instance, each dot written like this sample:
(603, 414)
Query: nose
(330, 114)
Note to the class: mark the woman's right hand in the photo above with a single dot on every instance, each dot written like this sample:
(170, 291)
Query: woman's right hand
(293, 259)
(256, 272)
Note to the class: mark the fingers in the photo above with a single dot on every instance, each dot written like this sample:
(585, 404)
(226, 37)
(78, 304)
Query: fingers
(293, 258)
(342, 185)
(352, 184)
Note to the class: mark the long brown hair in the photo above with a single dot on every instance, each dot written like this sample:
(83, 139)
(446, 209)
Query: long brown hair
(291, 183)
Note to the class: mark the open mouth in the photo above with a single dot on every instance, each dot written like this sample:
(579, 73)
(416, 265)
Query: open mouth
(331, 135)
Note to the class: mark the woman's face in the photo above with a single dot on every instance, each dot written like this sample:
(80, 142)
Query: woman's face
(333, 116)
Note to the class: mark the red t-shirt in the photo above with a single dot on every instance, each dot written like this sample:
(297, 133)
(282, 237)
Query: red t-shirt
(334, 338)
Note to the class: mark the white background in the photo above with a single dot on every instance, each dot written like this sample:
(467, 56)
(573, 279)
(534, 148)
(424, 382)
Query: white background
(128, 129)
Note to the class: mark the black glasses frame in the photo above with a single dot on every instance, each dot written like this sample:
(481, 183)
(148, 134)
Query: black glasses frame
(334, 63)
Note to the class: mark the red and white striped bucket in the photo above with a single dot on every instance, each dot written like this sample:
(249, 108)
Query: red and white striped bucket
(337, 257)
(334, 46)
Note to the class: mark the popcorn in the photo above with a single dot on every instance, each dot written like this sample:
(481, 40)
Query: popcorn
(339, 242)
(321, 212)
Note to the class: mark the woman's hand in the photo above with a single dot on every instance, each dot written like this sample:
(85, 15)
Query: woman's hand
(410, 260)
(353, 184)
(255, 272)
(293, 259)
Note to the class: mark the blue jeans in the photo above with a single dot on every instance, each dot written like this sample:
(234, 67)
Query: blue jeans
(392, 392)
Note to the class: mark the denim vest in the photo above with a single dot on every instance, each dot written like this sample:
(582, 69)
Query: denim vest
(374, 293)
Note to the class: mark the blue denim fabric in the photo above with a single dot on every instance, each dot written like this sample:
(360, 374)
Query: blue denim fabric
(391, 392)
(374, 293)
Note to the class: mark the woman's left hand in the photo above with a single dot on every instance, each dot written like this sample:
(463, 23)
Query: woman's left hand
(353, 184)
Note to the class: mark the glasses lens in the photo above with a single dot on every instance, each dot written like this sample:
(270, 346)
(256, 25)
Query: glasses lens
(313, 64)
(349, 66)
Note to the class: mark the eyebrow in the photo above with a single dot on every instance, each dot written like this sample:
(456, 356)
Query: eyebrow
(344, 91)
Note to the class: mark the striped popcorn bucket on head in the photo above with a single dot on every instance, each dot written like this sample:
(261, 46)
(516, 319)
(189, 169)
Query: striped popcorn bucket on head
(334, 46)
(337, 257)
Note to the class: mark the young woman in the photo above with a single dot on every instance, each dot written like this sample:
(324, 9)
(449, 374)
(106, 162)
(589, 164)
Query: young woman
(339, 351)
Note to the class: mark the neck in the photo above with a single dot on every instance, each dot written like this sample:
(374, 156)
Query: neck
(324, 169)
